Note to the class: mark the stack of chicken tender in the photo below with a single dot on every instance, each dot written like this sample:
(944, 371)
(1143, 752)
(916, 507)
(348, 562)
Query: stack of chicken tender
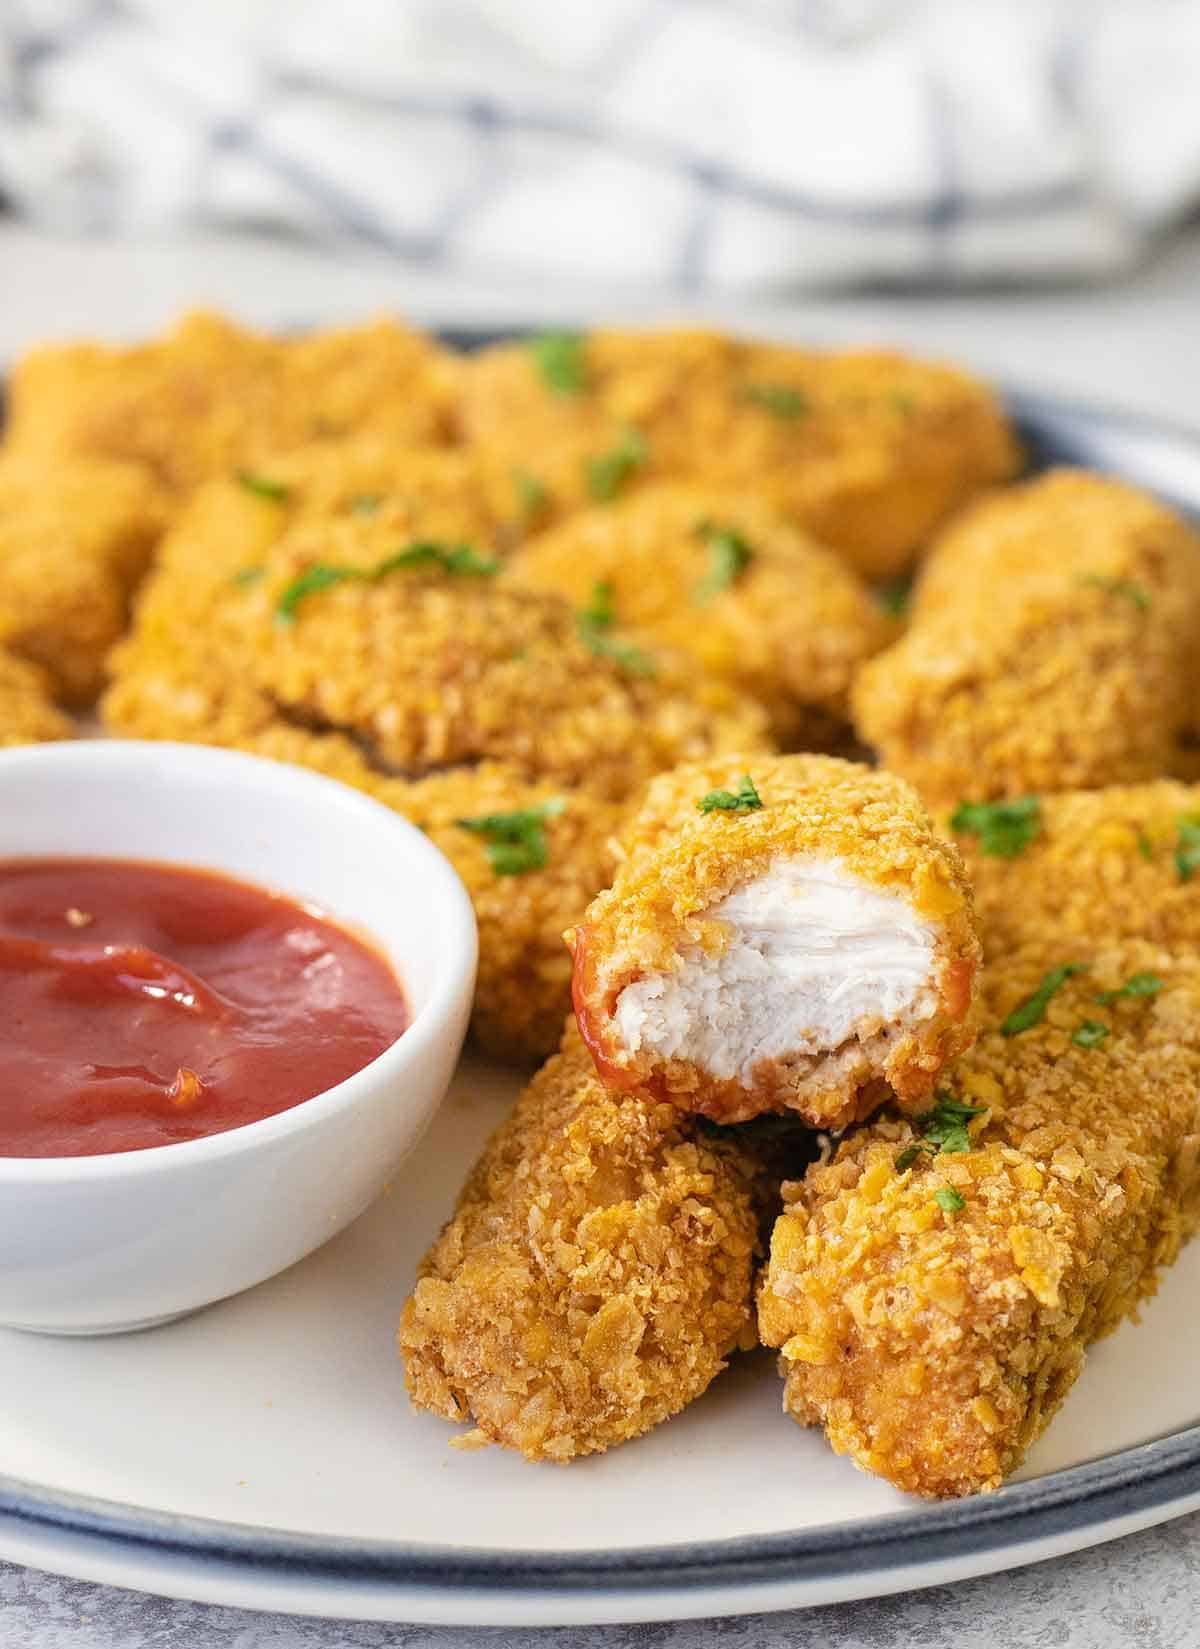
(891, 1068)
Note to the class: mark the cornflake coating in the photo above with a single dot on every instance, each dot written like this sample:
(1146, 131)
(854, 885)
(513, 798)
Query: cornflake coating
(75, 536)
(934, 1346)
(212, 396)
(730, 581)
(785, 934)
(523, 991)
(1050, 646)
(427, 668)
(596, 1274)
(1103, 865)
(869, 449)
(26, 713)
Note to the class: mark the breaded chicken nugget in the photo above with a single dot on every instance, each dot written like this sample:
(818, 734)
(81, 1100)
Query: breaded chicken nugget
(868, 449)
(26, 713)
(935, 1286)
(1049, 646)
(730, 581)
(1090, 865)
(531, 855)
(212, 396)
(75, 537)
(414, 652)
(596, 1275)
(786, 933)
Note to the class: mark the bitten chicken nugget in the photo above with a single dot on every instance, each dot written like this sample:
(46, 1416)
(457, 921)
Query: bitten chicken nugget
(786, 933)
(26, 713)
(935, 1286)
(731, 582)
(531, 855)
(867, 448)
(1049, 648)
(75, 537)
(597, 1272)
(211, 396)
(1090, 865)
(414, 652)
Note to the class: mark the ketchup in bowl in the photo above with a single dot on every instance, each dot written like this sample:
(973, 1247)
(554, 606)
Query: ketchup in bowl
(141, 1004)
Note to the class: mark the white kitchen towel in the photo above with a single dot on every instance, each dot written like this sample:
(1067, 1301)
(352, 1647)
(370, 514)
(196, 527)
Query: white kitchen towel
(687, 145)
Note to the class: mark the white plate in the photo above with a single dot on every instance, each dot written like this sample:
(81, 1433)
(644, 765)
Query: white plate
(263, 1452)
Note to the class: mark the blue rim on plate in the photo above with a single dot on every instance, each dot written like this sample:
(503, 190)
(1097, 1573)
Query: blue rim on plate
(1162, 1475)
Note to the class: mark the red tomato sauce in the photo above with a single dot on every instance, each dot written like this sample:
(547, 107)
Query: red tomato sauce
(142, 1004)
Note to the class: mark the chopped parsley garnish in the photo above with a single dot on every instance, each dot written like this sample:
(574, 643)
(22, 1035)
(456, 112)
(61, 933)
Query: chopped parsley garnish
(781, 400)
(1032, 1011)
(516, 842)
(247, 576)
(745, 799)
(728, 557)
(594, 624)
(894, 596)
(1119, 586)
(608, 471)
(902, 402)
(263, 487)
(1005, 829)
(1138, 984)
(1187, 849)
(459, 559)
(1090, 1034)
(560, 358)
(1145, 845)
(531, 492)
(942, 1129)
(366, 503)
(949, 1200)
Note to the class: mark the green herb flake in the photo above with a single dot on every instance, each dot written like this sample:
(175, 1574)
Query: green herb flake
(728, 557)
(516, 842)
(745, 799)
(1032, 1011)
(366, 503)
(608, 472)
(1090, 1034)
(1187, 849)
(1138, 984)
(1118, 586)
(594, 623)
(942, 1129)
(949, 1200)
(458, 559)
(894, 596)
(532, 496)
(780, 400)
(901, 401)
(1145, 846)
(276, 492)
(560, 359)
(1004, 829)
(247, 576)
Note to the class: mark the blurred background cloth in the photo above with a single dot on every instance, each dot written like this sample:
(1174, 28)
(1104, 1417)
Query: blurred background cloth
(753, 145)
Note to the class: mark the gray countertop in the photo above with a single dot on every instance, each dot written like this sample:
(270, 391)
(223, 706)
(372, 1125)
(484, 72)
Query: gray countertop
(1137, 345)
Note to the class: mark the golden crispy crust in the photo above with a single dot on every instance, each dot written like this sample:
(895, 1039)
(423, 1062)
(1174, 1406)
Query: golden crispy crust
(680, 862)
(428, 669)
(595, 1276)
(867, 448)
(934, 1346)
(523, 991)
(1102, 866)
(75, 536)
(211, 396)
(791, 627)
(1049, 648)
(26, 713)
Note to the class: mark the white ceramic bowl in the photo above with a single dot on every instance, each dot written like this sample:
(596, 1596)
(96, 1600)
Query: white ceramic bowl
(98, 1244)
